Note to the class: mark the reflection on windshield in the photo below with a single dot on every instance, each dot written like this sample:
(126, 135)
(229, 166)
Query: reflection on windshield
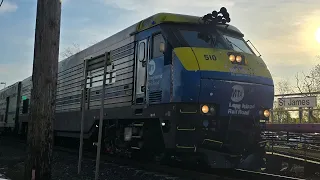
(238, 44)
(200, 39)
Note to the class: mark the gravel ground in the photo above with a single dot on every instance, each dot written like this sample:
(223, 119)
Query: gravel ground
(65, 166)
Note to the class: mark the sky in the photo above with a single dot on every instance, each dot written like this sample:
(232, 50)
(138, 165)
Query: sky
(282, 30)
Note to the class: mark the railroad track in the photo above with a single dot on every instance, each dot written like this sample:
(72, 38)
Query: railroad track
(302, 153)
(235, 174)
(170, 172)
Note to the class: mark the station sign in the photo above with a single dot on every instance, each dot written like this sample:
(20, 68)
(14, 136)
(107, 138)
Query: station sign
(310, 101)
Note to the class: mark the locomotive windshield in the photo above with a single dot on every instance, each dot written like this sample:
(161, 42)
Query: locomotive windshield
(238, 44)
(201, 39)
(183, 35)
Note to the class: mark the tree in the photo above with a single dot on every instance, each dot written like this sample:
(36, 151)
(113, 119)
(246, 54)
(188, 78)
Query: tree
(280, 115)
(73, 49)
(284, 87)
(43, 94)
(308, 83)
(69, 51)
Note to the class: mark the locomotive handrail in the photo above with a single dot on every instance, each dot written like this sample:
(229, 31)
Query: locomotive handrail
(188, 112)
(185, 147)
(186, 129)
(211, 140)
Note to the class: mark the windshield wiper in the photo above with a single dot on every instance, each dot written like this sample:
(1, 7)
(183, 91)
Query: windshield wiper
(254, 47)
(213, 41)
(207, 37)
(234, 45)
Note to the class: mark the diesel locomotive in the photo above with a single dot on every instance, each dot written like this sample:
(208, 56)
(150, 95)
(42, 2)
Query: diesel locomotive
(175, 84)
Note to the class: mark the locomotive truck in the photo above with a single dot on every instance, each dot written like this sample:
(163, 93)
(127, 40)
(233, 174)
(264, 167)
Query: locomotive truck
(175, 84)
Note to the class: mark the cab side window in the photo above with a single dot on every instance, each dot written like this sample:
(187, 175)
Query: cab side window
(25, 106)
(141, 51)
(157, 39)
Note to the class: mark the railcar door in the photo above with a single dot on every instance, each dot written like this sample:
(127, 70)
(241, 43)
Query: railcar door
(142, 57)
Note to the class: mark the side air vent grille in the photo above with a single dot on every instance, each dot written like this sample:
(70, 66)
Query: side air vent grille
(155, 96)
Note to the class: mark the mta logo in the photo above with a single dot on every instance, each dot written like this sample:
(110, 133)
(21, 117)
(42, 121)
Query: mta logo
(237, 93)
(152, 67)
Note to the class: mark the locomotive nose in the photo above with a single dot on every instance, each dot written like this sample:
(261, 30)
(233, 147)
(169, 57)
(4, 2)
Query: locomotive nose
(236, 98)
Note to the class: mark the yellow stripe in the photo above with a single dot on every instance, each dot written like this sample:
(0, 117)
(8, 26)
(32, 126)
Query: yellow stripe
(187, 58)
(255, 66)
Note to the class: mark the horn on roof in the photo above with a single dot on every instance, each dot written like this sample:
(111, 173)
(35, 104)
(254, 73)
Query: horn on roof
(215, 18)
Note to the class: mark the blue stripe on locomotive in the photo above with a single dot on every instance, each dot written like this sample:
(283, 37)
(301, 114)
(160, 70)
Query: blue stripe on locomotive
(158, 81)
(236, 77)
(186, 84)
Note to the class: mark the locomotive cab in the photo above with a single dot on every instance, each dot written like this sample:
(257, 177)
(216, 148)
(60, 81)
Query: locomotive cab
(220, 88)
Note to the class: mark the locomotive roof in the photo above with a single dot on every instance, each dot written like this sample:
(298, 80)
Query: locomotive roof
(176, 18)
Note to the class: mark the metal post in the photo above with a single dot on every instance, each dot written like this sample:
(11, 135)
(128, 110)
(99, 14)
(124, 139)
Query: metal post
(300, 118)
(83, 114)
(300, 114)
(107, 57)
(309, 114)
(271, 116)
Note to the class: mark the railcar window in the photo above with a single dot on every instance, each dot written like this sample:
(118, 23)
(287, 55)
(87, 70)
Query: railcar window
(238, 44)
(141, 51)
(157, 39)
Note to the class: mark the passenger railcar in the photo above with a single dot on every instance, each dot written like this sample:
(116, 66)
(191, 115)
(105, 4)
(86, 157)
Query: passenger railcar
(174, 85)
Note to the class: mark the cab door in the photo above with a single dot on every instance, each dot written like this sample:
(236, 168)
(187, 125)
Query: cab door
(141, 71)
(158, 77)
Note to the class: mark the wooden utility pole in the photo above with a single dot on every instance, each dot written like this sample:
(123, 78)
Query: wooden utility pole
(43, 93)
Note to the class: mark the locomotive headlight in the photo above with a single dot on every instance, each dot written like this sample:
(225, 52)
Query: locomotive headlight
(205, 109)
(266, 113)
(238, 59)
(232, 58)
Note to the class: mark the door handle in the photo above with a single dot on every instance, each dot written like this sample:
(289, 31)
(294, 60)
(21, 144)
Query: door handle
(143, 88)
(144, 63)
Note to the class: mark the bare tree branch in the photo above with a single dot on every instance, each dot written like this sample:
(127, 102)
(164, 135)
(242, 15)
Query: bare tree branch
(69, 51)
(310, 83)
(73, 49)
(284, 87)
(1, 3)
(280, 116)
(298, 83)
